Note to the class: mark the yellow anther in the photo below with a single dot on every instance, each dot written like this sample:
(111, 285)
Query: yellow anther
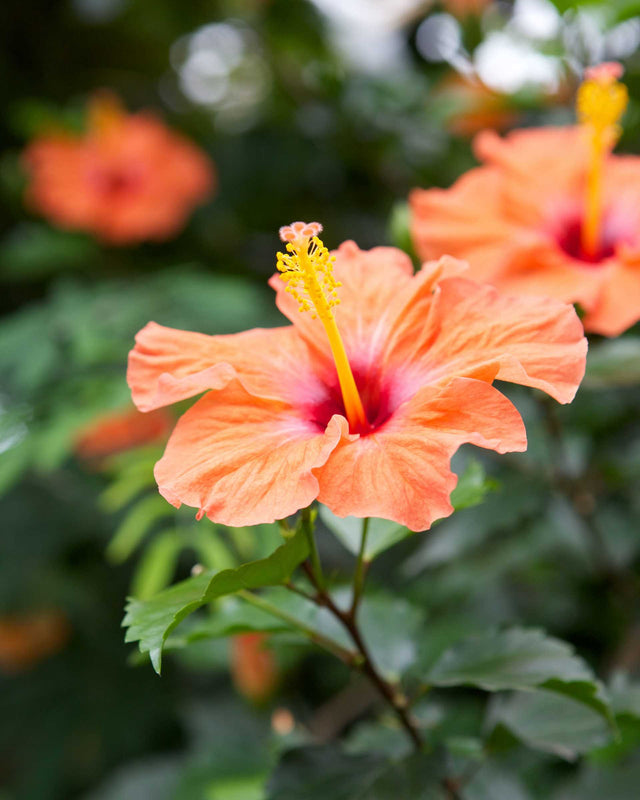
(600, 104)
(307, 270)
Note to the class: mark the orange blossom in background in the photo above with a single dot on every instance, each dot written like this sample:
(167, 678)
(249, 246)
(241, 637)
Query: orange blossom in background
(360, 403)
(552, 212)
(127, 179)
(254, 669)
(121, 430)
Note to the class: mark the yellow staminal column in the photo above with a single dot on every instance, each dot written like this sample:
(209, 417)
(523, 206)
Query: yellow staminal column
(600, 104)
(307, 270)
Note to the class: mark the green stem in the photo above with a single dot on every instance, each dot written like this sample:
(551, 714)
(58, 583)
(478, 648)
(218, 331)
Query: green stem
(362, 566)
(365, 664)
(348, 656)
(306, 521)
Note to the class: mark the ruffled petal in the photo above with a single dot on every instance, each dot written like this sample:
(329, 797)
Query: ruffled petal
(169, 365)
(472, 330)
(618, 306)
(402, 471)
(244, 460)
(544, 158)
(466, 219)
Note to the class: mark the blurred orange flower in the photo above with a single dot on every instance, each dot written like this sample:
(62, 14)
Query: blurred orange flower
(360, 405)
(121, 430)
(254, 670)
(26, 639)
(128, 179)
(466, 8)
(551, 212)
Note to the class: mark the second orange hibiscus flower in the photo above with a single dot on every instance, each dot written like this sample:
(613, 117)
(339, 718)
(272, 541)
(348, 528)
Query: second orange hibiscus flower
(552, 212)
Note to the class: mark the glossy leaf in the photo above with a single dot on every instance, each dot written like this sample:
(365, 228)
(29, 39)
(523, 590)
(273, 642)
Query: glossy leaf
(519, 659)
(553, 723)
(150, 622)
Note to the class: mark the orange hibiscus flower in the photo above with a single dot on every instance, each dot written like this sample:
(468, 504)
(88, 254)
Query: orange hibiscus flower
(552, 212)
(254, 669)
(127, 179)
(359, 405)
(28, 638)
(121, 430)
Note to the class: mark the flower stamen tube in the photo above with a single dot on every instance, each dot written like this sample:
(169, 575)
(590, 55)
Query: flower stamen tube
(307, 270)
(600, 104)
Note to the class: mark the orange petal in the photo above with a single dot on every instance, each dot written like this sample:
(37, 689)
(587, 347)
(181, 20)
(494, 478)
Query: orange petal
(168, 365)
(549, 157)
(618, 306)
(401, 472)
(471, 330)
(467, 218)
(245, 460)
(369, 280)
(254, 669)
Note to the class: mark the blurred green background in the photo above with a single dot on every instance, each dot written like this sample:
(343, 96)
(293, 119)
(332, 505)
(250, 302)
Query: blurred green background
(309, 110)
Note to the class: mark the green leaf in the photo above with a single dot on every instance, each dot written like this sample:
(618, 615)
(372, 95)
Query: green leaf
(157, 564)
(391, 628)
(554, 723)
(237, 788)
(491, 782)
(472, 487)
(382, 533)
(594, 783)
(512, 659)
(519, 658)
(613, 363)
(232, 616)
(399, 227)
(33, 250)
(135, 525)
(151, 621)
(319, 773)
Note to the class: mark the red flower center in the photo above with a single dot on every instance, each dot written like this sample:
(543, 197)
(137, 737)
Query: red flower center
(378, 397)
(115, 181)
(615, 230)
(569, 238)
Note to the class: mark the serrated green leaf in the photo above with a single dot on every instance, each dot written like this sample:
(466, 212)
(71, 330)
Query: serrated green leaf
(232, 616)
(553, 723)
(382, 533)
(150, 622)
(519, 659)
(512, 659)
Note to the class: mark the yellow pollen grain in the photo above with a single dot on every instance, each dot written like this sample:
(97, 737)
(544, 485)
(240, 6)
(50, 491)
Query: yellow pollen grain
(600, 104)
(307, 270)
